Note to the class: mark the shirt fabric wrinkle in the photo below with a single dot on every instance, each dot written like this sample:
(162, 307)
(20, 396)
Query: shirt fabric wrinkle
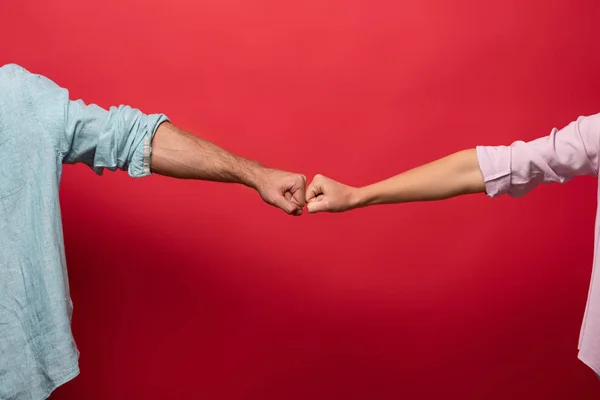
(40, 129)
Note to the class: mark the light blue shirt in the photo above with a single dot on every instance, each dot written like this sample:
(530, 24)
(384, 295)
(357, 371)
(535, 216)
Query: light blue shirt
(40, 129)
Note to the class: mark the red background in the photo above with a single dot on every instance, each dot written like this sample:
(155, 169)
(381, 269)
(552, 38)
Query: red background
(197, 290)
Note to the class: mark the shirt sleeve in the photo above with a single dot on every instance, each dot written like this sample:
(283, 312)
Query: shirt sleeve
(562, 155)
(117, 138)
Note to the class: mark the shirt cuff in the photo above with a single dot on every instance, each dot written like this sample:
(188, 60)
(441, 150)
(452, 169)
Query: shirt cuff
(141, 162)
(495, 162)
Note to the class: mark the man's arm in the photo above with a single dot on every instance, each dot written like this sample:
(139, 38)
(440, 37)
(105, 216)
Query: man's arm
(125, 138)
(179, 154)
(514, 170)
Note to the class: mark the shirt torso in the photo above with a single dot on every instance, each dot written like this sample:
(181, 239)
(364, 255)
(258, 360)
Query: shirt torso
(564, 154)
(40, 129)
(37, 350)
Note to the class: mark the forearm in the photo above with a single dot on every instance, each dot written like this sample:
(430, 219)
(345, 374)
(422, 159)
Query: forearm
(179, 154)
(454, 175)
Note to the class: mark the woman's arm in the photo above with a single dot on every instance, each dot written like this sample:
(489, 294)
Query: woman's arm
(496, 170)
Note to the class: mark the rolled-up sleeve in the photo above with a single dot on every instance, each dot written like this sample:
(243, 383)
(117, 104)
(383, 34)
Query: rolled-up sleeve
(562, 155)
(118, 138)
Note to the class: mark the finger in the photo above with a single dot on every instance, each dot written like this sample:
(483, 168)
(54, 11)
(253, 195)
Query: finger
(299, 195)
(294, 200)
(320, 204)
(318, 198)
(295, 191)
(286, 205)
(314, 189)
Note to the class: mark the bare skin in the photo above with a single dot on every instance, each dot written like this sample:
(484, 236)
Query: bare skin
(180, 154)
(451, 176)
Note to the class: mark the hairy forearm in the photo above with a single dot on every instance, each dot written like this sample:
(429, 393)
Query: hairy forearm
(179, 154)
(451, 176)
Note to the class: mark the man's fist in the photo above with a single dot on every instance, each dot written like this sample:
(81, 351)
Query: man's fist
(326, 195)
(285, 190)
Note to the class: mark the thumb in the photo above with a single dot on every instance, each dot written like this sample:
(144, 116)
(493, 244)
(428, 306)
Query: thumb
(318, 204)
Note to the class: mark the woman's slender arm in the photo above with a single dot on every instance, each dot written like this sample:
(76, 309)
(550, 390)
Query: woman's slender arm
(495, 170)
(454, 175)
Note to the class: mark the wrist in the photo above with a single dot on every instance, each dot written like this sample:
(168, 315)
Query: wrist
(362, 197)
(253, 174)
(356, 198)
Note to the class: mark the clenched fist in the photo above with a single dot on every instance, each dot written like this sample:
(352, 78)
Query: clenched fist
(326, 195)
(285, 190)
